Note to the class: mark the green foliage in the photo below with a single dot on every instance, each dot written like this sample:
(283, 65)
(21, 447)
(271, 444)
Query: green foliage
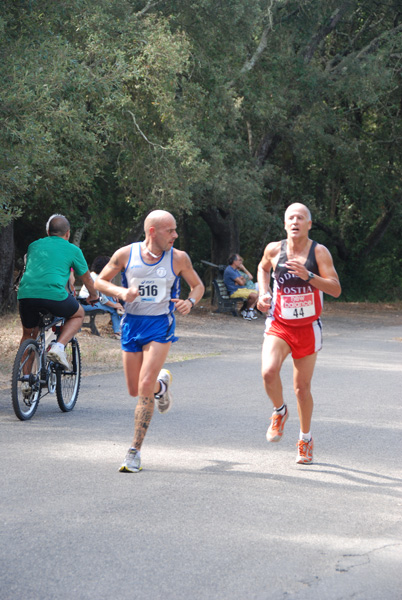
(110, 109)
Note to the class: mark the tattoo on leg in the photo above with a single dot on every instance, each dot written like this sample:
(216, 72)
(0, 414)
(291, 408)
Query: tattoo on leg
(143, 415)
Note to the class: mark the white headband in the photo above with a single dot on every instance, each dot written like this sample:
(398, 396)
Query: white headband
(50, 218)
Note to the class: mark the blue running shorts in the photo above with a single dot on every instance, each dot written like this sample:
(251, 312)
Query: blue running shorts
(138, 331)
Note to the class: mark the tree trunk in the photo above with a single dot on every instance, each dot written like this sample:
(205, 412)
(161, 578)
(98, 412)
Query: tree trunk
(8, 297)
(136, 234)
(379, 230)
(78, 235)
(225, 233)
(184, 241)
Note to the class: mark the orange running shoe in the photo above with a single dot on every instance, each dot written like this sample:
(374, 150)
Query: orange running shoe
(305, 452)
(275, 430)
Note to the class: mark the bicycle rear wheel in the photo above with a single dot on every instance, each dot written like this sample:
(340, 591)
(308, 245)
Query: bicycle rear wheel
(68, 382)
(25, 381)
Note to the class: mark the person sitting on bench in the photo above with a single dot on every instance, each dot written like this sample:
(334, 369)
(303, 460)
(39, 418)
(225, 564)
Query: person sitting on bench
(236, 285)
(106, 303)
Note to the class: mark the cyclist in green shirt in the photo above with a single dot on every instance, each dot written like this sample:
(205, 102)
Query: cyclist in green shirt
(43, 286)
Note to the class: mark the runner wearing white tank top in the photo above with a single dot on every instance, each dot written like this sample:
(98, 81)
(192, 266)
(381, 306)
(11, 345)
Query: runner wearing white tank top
(157, 283)
(151, 272)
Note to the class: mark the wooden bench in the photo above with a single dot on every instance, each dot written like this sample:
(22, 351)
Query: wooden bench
(225, 303)
(89, 318)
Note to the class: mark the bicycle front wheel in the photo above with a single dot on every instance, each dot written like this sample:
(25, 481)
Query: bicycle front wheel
(25, 381)
(68, 381)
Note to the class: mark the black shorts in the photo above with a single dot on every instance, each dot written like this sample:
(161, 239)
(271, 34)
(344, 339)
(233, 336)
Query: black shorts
(31, 307)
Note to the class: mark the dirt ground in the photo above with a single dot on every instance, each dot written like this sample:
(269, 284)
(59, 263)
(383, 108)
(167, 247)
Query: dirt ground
(202, 333)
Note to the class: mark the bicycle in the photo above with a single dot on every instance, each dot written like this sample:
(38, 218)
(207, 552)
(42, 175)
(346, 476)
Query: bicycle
(33, 371)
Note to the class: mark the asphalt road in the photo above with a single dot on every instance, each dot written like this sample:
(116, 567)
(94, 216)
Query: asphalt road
(217, 513)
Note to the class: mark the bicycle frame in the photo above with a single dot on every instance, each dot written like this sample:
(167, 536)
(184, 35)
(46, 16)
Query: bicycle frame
(33, 372)
(48, 322)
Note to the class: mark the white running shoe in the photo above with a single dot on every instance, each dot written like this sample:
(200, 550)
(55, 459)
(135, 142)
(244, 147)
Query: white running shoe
(275, 430)
(305, 452)
(59, 356)
(164, 401)
(132, 462)
(252, 314)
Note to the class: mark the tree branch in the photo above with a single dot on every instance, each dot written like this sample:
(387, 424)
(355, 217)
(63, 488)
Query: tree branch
(369, 48)
(270, 140)
(143, 134)
(376, 42)
(136, 233)
(250, 64)
(377, 233)
(325, 30)
(267, 146)
(79, 233)
(335, 59)
(335, 237)
(147, 7)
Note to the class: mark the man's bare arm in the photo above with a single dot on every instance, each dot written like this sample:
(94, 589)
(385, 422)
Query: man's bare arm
(183, 267)
(89, 284)
(327, 281)
(240, 280)
(265, 267)
(104, 281)
(243, 268)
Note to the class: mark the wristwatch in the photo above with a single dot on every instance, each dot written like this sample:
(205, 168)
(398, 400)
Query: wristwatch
(311, 275)
(192, 302)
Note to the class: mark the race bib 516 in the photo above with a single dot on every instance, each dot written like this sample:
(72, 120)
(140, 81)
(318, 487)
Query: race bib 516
(150, 290)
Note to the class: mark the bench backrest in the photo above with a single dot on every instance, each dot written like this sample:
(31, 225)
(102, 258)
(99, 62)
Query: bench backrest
(220, 288)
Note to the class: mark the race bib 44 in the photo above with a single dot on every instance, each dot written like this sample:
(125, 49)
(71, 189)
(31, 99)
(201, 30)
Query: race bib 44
(298, 306)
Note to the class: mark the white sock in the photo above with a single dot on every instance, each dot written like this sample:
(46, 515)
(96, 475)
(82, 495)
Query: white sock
(163, 388)
(58, 345)
(281, 411)
(306, 437)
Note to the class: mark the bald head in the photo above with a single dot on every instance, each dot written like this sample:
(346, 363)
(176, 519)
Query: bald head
(156, 218)
(297, 206)
(57, 225)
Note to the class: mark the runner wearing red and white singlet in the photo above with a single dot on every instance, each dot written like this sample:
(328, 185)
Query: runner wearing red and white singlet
(302, 271)
(295, 302)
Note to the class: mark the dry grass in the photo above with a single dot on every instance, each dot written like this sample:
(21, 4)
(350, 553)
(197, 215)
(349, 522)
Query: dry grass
(96, 352)
(10, 332)
(99, 354)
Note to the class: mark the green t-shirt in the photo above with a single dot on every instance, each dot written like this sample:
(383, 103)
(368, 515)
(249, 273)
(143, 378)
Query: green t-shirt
(49, 261)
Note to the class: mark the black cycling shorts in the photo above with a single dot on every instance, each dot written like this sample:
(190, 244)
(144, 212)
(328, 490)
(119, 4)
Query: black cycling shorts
(31, 307)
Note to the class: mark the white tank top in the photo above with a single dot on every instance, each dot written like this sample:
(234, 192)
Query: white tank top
(157, 283)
